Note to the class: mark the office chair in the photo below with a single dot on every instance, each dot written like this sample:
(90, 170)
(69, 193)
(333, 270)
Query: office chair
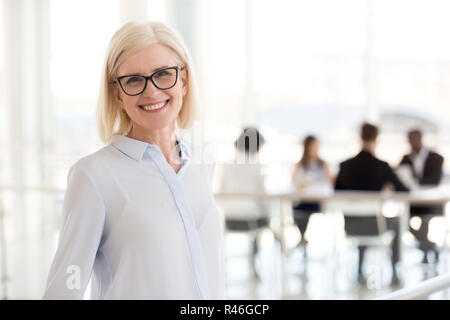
(252, 228)
(364, 225)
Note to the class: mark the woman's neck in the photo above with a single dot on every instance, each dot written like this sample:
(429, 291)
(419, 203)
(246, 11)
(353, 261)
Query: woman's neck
(164, 138)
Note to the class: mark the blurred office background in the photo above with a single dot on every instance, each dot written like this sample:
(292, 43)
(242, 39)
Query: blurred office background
(289, 67)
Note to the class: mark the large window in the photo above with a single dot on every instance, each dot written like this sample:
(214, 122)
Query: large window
(3, 108)
(322, 67)
(412, 59)
(290, 67)
(79, 35)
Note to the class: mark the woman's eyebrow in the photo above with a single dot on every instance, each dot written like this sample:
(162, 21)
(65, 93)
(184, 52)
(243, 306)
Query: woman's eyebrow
(140, 74)
(157, 69)
(131, 74)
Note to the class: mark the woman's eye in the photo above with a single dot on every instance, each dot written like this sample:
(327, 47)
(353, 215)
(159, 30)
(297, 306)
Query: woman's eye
(134, 80)
(163, 73)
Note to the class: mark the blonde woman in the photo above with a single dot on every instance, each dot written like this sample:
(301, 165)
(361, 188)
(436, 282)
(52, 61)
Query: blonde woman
(139, 215)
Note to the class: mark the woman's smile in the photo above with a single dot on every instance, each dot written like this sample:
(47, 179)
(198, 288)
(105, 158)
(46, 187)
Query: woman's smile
(154, 107)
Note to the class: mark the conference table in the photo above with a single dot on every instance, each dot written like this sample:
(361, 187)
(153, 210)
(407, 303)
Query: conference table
(285, 198)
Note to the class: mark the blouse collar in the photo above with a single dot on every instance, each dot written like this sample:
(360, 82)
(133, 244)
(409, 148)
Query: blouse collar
(136, 149)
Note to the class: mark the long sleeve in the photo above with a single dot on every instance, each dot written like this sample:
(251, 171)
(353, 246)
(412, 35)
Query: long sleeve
(392, 177)
(405, 160)
(83, 217)
(339, 185)
(433, 170)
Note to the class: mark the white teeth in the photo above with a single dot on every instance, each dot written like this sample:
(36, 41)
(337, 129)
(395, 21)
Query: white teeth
(155, 106)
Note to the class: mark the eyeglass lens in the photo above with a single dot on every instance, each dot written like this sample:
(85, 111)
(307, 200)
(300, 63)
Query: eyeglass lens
(163, 79)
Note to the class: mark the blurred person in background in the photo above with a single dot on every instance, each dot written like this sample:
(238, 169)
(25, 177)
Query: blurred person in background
(425, 167)
(246, 176)
(139, 215)
(310, 174)
(368, 173)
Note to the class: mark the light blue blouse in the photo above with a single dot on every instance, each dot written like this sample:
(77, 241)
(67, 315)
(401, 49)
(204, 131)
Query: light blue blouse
(138, 228)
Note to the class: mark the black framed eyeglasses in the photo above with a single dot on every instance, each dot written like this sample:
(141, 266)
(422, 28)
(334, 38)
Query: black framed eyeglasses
(162, 79)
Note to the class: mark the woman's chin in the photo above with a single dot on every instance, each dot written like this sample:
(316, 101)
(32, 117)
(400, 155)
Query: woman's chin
(159, 125)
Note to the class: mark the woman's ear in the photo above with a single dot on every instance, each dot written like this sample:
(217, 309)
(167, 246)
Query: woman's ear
(184, 77)
(116, 94)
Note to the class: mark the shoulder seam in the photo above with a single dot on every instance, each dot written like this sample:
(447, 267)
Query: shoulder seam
(91, 180)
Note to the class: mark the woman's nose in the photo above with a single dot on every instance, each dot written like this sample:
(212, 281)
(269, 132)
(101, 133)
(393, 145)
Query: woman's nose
(150, 90)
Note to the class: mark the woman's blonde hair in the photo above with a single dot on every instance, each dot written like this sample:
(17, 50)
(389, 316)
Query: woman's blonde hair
(130, 38)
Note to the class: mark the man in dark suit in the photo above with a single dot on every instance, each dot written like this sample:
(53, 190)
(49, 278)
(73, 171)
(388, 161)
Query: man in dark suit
(366, 172)
(426, 168)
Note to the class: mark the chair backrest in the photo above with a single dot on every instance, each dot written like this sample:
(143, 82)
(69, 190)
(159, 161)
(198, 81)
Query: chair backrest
(362, 217)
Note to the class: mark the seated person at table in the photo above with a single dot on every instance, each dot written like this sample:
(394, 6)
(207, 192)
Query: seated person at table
(245, 175)
(310, 173)
(367, 172)
(426, 168)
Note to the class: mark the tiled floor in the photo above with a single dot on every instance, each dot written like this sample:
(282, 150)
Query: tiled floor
(321, 277)
(322, 274)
